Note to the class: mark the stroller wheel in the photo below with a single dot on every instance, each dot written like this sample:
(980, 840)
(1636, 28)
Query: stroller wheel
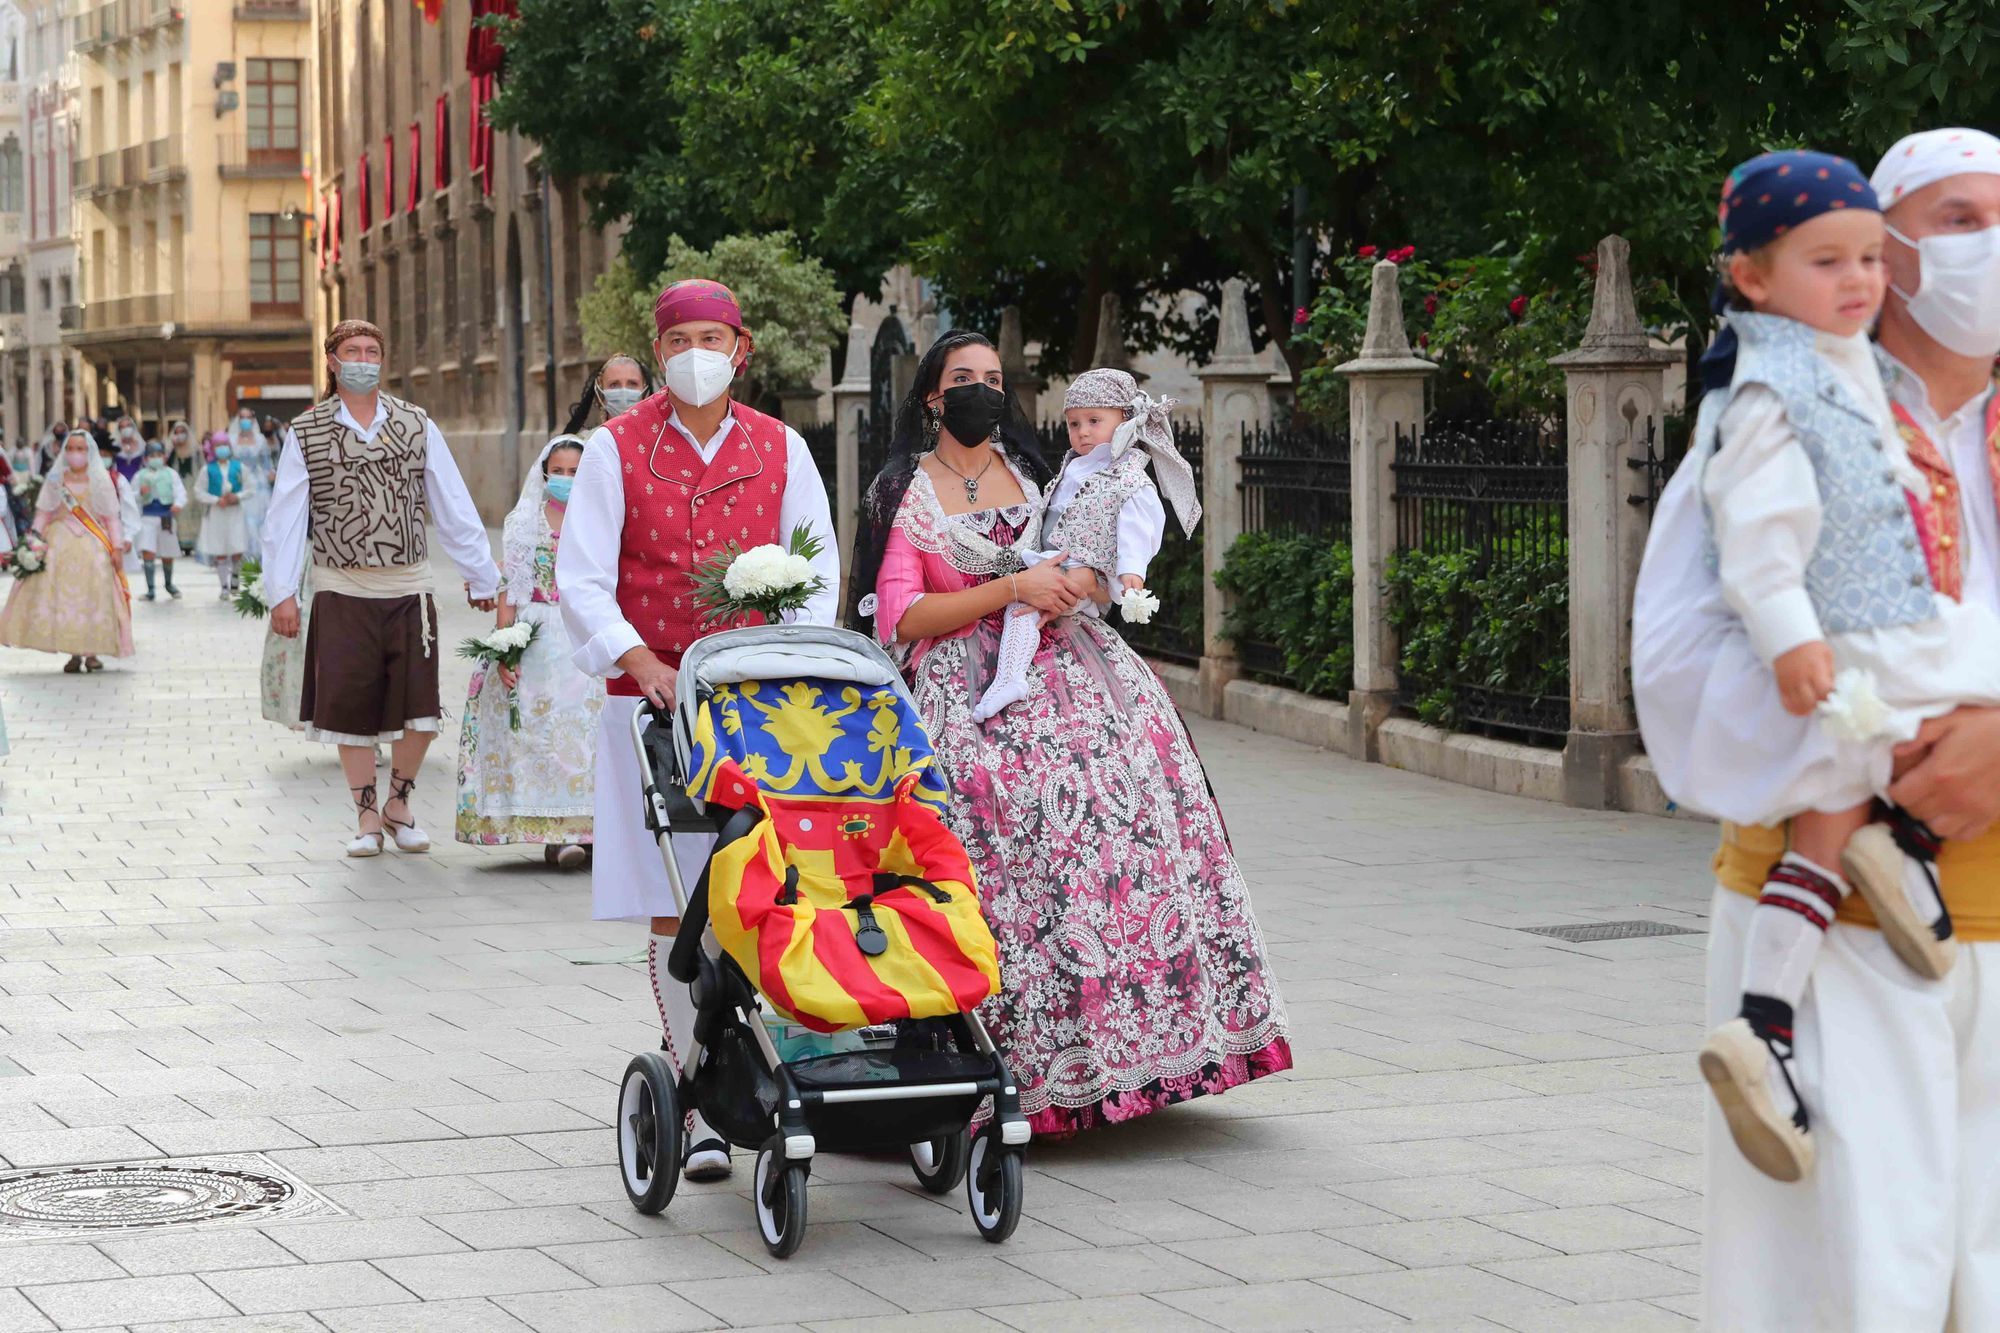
(781, 1205)
(994, 1188)
(649, 1132)
(939, 1164)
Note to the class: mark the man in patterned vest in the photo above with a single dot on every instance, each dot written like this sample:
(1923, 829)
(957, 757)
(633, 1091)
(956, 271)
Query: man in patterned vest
(359, 477)
(661, 488)
(1896, 1226)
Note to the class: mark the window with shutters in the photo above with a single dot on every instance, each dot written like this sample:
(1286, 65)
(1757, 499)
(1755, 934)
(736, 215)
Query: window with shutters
(276, 266)
(271, 111)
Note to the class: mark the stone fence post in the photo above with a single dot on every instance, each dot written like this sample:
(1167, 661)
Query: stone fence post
(1616, 391)
(850, 407)
(1022, 382)
(1235, 399)
(1385, 394)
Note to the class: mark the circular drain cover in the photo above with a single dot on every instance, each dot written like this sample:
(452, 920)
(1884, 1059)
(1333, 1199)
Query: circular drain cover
(124, 1196)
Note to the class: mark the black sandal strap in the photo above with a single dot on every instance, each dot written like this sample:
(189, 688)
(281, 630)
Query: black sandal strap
(364, 797)
(400, 788)
(1918, 841)
(707, 1145)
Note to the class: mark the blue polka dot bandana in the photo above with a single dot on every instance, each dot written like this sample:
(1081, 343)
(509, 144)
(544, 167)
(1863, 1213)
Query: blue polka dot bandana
(1775, 192)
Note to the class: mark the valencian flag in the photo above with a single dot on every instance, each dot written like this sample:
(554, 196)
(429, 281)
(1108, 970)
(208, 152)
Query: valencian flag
(851, 902)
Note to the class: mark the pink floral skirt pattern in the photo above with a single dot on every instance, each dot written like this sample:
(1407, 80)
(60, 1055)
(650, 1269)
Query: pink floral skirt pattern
(1132, 969)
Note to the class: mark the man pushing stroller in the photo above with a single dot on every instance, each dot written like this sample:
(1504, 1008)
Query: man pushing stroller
(662, 488)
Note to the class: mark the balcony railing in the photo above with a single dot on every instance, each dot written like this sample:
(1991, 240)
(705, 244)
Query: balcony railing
(125, 168)
(164, 160)
(272, 11)
(100, 26)
(126, 312)
(145, 315)
(238, 160)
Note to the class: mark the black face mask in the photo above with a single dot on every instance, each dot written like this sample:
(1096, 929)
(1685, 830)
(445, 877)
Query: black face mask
(971, 411)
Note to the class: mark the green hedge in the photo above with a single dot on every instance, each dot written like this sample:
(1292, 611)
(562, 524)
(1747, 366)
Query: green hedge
(1295, 591)
(1504, 628)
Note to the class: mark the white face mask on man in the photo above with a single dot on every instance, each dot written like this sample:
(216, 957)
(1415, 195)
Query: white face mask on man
(699, 376)
(1957, 300)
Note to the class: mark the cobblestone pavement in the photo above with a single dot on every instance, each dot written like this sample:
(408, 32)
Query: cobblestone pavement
(1486, 1128)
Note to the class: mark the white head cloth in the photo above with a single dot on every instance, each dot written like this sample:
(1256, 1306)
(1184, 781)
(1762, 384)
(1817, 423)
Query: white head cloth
(103, 495)
(1929, 156)
(527, 525)
(1149, 422)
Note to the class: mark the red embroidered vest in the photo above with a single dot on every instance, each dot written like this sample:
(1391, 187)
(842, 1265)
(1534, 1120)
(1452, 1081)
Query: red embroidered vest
(1939, 517)
(679, 511)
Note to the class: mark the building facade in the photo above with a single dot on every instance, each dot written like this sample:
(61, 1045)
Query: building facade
(193, 206)
(51, 373)
(448, 236)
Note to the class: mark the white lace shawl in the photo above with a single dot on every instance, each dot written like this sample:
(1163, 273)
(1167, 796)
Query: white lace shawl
(527, 526)
(103, 492)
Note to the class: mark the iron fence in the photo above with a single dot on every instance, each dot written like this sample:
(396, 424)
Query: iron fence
(1479, 584)
(820, 438)
(1296, 479)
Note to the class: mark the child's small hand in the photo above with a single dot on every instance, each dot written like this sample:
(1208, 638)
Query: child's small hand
(1805, 676)
(1130, 581)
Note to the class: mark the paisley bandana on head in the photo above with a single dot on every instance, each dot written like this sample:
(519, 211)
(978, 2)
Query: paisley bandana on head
(696, 298)
(1775, 192)
(1763, 200)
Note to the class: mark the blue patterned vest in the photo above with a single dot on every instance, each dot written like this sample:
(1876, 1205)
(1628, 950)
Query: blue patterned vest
(1867, 570)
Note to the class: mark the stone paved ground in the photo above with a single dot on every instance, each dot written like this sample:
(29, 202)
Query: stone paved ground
(1487, 1129)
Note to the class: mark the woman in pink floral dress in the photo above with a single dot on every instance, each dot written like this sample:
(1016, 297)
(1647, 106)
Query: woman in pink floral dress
(79, 604)
(1132, 969)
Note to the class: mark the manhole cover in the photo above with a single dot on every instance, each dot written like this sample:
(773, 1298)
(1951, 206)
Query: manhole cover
(1590, 932)
(133, 1196)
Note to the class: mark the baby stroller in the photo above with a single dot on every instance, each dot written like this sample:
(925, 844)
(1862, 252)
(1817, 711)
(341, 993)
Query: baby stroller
(834, 898)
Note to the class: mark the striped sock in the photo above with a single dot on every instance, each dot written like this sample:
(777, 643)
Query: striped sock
(1792, 915)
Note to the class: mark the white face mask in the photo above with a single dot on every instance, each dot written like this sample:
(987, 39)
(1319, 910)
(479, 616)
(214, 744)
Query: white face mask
(1957, 300)
(622, 400)
(77, 462)
(699, 376)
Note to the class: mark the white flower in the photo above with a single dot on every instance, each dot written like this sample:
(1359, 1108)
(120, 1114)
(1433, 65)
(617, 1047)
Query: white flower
(514, 636)
(758, 571)
(798, 571)
(1854, 711)
(256, 590)
(28, 558)
(1138, 606)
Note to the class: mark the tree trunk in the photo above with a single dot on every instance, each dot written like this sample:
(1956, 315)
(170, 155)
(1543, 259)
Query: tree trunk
(1085, 341)
(1271, 293)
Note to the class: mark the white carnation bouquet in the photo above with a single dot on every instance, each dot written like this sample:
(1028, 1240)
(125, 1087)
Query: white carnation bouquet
(27, 486)
(1138, 606)
(31, 555)
(1855, 711)
(769, 580)
(503, 647)
(250, 599)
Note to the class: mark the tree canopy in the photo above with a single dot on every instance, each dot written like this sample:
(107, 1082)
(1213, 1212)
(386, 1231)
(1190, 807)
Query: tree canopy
(1042, 152)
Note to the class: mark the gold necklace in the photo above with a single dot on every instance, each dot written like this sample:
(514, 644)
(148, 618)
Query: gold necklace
(971, 482)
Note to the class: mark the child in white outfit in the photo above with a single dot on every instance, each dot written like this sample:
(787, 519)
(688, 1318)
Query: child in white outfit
(1804, 476)
(1103, 512)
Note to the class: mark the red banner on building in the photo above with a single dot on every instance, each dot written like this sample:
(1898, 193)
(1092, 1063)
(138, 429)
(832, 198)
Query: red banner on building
(361, 196)
(416, 164)
(388, 177)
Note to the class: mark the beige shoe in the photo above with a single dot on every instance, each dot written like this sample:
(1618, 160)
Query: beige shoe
(1875, 865)
(1737, 1065)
